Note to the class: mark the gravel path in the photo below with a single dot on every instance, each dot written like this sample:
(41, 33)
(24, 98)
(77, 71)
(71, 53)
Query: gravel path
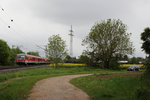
(57, 88)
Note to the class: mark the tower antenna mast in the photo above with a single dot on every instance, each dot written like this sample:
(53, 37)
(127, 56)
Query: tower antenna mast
(71, 41)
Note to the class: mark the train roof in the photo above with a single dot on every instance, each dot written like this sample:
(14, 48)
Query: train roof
(31, 55)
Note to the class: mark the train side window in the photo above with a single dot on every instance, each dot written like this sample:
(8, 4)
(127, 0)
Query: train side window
(33, 58)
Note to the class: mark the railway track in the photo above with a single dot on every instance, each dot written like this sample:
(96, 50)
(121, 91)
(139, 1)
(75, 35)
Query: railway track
(17, 68)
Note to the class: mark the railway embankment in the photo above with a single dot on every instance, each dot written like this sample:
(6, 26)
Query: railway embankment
(8, 69)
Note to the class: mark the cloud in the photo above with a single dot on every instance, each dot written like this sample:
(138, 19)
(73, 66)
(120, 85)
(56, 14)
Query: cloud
(79, 12)
(36, 20)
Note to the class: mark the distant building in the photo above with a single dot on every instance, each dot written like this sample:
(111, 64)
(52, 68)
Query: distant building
(123, 62)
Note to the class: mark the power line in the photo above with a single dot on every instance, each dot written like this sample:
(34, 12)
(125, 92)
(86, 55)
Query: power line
(9, 26)
(6, 15)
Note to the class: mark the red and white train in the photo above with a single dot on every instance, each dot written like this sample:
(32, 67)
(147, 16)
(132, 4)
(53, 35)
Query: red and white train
(25, 59)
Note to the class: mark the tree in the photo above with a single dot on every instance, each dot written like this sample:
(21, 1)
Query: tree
(121, 57)
(4, 53)
(145, 36)
(106, 39)
(84, 59)
(69, 59)
(125, 58)
(88, 59)
(33, 53)
(14, 52)
(144, 91)
(56, 49)
(134, 60)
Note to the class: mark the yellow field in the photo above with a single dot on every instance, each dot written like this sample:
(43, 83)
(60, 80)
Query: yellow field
(128, 65)
(75, 65)
(67, 64)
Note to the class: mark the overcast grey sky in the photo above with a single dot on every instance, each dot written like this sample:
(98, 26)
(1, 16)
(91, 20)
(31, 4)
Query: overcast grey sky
(36, 20)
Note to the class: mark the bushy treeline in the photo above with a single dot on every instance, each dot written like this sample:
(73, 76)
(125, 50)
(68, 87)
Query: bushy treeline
(7, 54)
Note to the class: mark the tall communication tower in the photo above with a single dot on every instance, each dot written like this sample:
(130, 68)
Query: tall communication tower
(71, 41)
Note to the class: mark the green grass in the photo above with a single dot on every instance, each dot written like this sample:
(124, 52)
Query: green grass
(118, 88)
(50, 71)
(17, 85)
(18, 89)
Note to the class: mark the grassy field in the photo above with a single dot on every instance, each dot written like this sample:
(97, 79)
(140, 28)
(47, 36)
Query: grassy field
(17, 85)
(117, 88)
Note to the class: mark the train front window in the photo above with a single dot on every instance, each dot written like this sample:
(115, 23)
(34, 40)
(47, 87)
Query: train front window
(20, 57)
(26, 57)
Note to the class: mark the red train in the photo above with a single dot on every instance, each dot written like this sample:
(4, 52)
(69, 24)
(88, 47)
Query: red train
(25, 59)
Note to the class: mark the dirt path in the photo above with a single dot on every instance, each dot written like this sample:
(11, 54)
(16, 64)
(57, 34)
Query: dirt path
(132, 74)
(57, 88)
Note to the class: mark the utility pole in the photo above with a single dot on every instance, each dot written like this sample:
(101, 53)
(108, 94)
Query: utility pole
(71, 41)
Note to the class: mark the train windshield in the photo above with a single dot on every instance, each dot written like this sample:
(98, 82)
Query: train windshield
(20, 57)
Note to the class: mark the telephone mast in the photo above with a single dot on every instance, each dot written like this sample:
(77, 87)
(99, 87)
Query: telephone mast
(71, 41)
